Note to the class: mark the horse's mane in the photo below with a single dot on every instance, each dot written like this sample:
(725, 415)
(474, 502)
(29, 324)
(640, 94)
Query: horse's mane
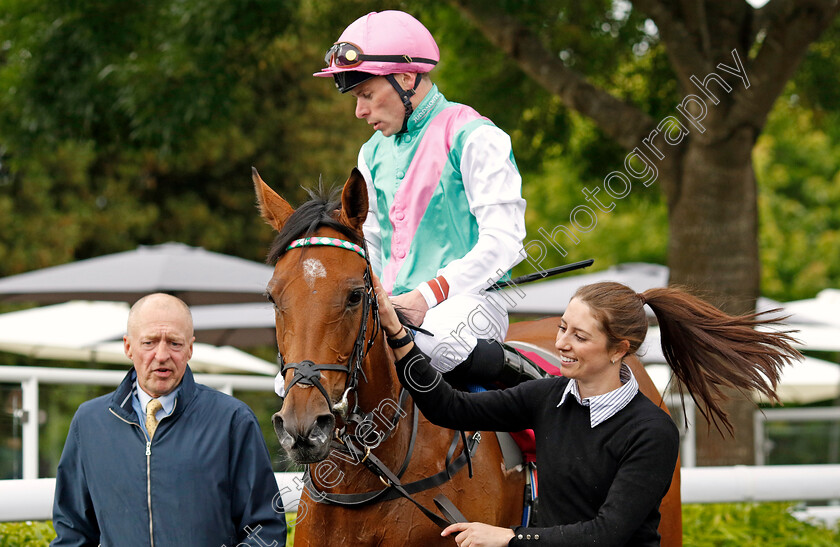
(317, 212)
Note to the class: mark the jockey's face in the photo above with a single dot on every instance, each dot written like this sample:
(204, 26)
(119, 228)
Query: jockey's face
(159, 342)
(378, 103)
(582, 344)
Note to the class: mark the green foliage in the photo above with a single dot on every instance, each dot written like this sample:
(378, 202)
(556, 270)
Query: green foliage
(39, 534)
(750, 525)
(797, 161)
(26, 534)
(138, 123)
(706, 525)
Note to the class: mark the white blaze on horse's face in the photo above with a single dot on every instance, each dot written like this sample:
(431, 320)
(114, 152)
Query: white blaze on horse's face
(312, 270)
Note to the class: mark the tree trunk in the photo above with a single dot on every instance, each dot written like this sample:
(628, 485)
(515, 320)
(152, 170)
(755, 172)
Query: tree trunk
(713, 251)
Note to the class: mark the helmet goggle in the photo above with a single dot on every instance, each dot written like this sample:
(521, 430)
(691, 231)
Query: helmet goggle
(349, 55)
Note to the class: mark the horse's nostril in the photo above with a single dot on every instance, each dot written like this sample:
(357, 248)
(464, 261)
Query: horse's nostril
(322, 429)
(277, 422)
(325, 422)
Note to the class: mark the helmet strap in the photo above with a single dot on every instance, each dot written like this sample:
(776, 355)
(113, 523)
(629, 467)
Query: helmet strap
(405, 96)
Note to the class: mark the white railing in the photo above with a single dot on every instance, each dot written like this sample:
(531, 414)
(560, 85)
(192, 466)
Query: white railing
(31, 377)
(33, 499)
(23, 499)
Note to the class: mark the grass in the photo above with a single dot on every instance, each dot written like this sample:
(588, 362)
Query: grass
(26, 534)
(751, 525)
(706, 525)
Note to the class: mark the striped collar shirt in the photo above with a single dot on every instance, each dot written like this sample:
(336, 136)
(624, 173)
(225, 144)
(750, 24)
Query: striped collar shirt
(605, 406)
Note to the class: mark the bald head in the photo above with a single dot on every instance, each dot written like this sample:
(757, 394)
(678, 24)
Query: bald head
(159, 302)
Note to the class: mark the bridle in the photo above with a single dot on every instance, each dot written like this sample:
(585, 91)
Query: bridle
(308, 373)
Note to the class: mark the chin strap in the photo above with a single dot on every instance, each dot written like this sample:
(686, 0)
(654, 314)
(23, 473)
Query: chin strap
(405, 96)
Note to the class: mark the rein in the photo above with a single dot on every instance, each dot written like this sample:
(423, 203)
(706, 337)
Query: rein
(309, 373)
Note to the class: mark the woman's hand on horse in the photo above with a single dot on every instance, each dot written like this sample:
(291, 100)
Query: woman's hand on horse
(413, 305)
(387, 314)
(477, 534)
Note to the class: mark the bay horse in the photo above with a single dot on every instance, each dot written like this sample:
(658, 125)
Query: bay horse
(375, 467)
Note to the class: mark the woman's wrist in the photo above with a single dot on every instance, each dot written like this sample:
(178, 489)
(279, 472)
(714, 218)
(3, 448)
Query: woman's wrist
(399, 333)
(402, 338)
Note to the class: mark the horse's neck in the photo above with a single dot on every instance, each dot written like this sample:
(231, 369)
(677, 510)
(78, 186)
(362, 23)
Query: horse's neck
(382, 383)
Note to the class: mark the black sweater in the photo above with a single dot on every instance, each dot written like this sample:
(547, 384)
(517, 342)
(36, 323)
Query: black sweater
(598, 486)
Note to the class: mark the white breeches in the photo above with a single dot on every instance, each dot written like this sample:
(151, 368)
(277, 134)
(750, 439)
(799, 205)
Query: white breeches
(457, 323)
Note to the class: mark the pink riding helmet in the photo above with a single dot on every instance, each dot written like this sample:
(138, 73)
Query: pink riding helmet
(379, 44)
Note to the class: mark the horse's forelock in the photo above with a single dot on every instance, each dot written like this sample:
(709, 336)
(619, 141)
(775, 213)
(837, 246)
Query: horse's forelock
(319, 211)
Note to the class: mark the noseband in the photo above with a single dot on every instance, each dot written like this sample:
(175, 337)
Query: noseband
(308, 373)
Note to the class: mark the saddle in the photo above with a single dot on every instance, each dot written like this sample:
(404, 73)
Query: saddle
(519, 447)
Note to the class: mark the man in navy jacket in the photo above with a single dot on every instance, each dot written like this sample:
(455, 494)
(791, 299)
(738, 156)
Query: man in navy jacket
(163, 461)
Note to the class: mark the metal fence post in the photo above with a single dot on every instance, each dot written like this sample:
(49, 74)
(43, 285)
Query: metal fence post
(29, 421)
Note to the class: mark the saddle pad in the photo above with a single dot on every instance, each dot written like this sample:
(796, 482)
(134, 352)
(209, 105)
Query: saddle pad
(550, 364)
(544, 359)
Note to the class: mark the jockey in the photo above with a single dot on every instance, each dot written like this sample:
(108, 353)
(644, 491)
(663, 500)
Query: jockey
(446, 214)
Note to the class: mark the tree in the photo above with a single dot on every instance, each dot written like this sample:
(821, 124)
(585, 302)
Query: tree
(138, 124)
(731, 61)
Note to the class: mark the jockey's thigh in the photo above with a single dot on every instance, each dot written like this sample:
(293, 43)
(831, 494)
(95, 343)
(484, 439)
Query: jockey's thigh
(457, 324)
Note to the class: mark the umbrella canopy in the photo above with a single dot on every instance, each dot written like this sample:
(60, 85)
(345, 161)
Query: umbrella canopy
(550, 297)
(804, 381)
(193, 274)
(88, 322)
(92, 332)
(241, 325)
(821, 309)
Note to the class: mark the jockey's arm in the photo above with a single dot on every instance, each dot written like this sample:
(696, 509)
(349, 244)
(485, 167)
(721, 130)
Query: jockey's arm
(493, 188)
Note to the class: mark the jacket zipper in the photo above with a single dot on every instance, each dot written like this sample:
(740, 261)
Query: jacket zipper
(149, 490)
(148, 473)
(148, 468)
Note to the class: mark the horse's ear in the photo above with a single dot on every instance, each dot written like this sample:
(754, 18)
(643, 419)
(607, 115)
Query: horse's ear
(274, 209)
(354, 201)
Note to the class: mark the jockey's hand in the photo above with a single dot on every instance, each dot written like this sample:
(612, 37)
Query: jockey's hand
(476, 534)
(413, 305)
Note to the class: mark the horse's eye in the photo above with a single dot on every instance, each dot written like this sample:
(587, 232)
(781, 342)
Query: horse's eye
(355, 297)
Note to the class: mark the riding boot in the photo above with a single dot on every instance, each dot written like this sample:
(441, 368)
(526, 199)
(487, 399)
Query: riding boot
(492, 361)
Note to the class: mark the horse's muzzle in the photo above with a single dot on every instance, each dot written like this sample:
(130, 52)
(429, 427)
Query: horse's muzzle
(304, 442)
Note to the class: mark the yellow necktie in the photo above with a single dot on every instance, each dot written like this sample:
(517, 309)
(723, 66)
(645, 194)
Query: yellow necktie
(151, 421)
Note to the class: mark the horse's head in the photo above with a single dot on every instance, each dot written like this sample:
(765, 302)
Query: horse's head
(325, 310)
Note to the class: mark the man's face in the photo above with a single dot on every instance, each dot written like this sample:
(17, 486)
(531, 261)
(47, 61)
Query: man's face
(377, 103)
(159, 342)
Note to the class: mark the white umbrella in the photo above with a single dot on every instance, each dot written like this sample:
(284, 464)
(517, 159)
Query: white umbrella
(92, 332)
(76, 324)
(82, 322)
(803, 381)
(823, 308)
